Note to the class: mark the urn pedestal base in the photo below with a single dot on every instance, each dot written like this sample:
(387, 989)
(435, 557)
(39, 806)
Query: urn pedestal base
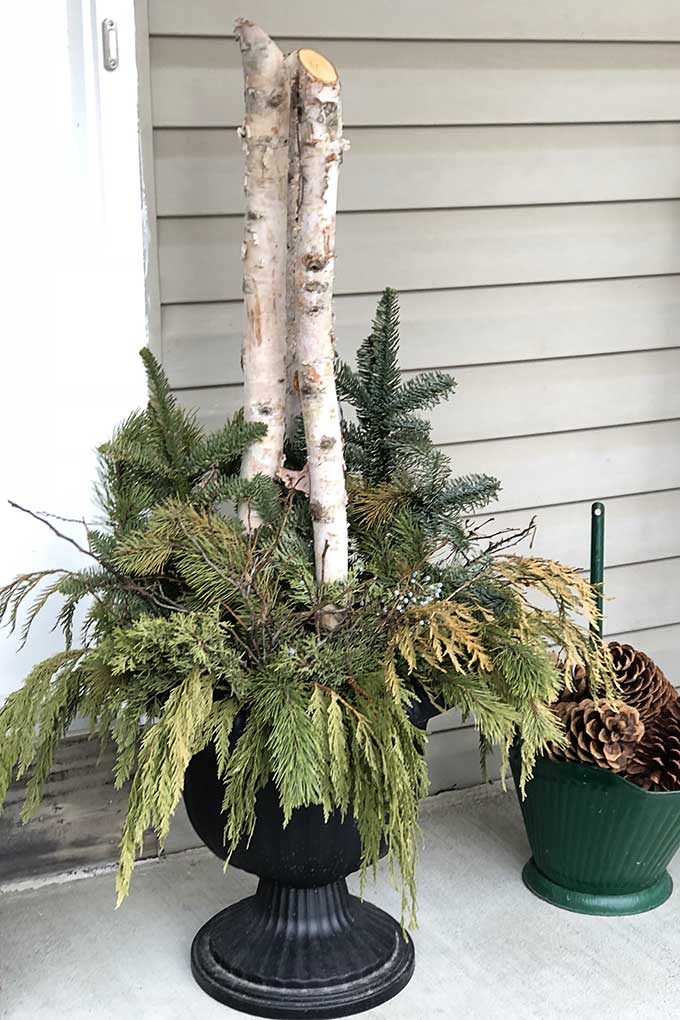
(288, 952)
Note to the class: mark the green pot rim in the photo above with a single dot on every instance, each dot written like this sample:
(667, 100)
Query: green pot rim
(603, 777)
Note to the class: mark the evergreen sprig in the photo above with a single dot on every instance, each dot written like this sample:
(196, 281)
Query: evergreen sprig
(387, 430)
(389, 446)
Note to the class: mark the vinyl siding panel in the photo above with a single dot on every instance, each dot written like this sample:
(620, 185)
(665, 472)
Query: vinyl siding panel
(565, 467)
(577, 20)
(572, 394)
(467, 326)
(643, 595)
(196, 82)
(661, 643)
(200, 172)
(639, 527)
(199, 258)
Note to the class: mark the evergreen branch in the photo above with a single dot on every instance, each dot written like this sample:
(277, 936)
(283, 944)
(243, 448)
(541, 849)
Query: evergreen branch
(166, 750)
(12, 595)
(221, 449)
(422, 392)
(48, 684)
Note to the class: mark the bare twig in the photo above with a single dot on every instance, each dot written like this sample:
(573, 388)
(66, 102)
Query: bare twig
(514, 536)
(66, 520)
(353, 684)
(258, 565)
(244, 645)
(161, 601)
(323, 563)
(124, 582)
(59, 534)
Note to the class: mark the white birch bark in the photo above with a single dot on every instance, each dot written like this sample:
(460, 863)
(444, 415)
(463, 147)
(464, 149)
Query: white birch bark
(320, 151)
(265, 142)
(293, 408)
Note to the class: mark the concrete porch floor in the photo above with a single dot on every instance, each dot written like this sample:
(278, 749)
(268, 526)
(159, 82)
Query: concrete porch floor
(486, 948)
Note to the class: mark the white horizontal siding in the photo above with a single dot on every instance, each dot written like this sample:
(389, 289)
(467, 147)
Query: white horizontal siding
(199, 259)
(492, 400)
(550, 468)
(202, 342)
(200, 172)
(432, 19)
(566, 467)
(574, 393)
(661, 643)
(196, 82)
(638, 528)
(643, 595)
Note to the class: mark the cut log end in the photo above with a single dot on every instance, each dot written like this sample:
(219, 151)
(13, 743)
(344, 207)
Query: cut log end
(318, 66)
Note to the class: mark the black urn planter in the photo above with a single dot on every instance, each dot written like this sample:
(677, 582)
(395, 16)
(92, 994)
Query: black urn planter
(302, 946)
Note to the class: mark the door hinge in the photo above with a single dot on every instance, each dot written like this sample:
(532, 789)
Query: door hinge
(110, 43)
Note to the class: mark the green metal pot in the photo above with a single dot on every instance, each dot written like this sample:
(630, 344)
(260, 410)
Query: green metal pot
(600, 844)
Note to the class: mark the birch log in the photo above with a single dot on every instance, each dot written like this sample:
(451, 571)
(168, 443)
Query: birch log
(320, 152)
(265, 142)
(293, 408)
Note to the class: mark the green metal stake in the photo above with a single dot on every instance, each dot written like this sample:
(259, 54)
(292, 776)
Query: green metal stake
(597, 560)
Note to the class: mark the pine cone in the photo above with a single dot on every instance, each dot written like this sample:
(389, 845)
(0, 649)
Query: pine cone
(656, 762)
(579, 686)
(598, 734)
(642, 683)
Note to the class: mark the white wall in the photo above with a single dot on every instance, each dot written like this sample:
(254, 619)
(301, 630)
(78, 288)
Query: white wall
(76, 313)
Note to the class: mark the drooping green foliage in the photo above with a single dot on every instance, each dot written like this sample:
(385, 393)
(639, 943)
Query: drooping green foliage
(191, 623)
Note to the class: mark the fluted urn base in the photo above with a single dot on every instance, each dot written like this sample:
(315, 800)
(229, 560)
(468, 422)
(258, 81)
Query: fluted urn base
(288, 952)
